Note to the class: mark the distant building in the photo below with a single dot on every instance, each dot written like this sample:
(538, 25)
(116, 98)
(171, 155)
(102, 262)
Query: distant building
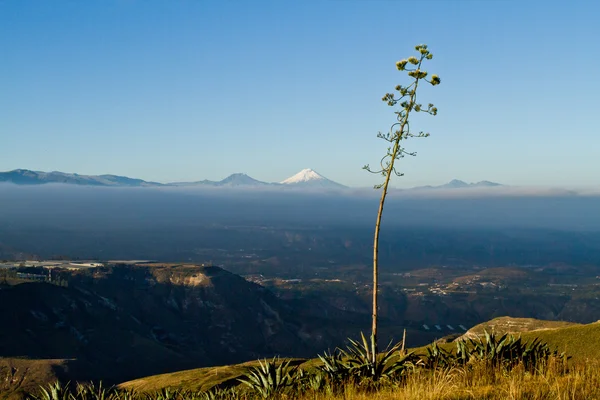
(34, 277)
(87, 265)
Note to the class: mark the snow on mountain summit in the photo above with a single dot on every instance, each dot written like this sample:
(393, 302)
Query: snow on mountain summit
(304, 176)
(310, 178)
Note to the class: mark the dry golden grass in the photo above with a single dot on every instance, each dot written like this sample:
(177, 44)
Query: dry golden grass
(18, 376)
(197, 379)
(576, 340)
(581, 381)
(558, 380)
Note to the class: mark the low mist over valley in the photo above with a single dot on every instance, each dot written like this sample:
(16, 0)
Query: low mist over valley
(191, 224)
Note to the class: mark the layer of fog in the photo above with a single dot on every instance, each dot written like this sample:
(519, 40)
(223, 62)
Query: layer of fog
(65, 206)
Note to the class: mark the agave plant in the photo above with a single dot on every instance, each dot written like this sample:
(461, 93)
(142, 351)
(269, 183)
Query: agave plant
(126, 395)
(316, 382)
(463, 354)
(438, 357)
(334, 367)
(536, 354)
(306, 381)
(216, 393)
(270, 378)
(89, 391)
(54, 391)
(362, 364)
(166, 394)
(506, 351)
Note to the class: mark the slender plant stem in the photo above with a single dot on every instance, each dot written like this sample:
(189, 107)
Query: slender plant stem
(389, 170)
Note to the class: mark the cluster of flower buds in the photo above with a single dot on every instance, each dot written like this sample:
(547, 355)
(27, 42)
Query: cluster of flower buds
(417, 73)
(389, 99)
(401, 65)
(422, 48)
(403, 90)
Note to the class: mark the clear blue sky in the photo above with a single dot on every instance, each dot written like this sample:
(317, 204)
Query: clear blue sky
(190, 90)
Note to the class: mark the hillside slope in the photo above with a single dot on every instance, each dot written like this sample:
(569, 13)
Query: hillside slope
(572, 338)
(119, 323)
(502, 325)
(577, 341)
(19, 376)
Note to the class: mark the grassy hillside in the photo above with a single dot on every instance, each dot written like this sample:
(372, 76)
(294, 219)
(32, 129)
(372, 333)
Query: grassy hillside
(579, 341)
(19, 376)
(572, 338)
(502, 325)
(120, 323)
(199, 378)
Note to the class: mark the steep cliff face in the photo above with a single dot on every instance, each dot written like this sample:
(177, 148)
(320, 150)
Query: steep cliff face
(117, 323)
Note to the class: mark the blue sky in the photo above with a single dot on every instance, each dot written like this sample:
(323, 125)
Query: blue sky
(190, 90)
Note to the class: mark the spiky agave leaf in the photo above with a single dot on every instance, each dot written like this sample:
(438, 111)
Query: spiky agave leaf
(216, 393)
(126, 395)
(316, 382)
(166, 394)
(438, 357)
(334, 367)
(89, 391)
(54, 391)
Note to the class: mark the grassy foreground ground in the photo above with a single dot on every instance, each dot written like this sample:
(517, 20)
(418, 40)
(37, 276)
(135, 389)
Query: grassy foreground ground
(559, 380)
(556, 378)
(580, 382)
(578, 341)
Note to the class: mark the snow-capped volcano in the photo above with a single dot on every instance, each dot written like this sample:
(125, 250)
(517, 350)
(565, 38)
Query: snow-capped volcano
(304, 176)
(310, 178)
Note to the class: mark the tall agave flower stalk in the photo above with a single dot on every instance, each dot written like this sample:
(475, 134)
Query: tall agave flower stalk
(399, 131)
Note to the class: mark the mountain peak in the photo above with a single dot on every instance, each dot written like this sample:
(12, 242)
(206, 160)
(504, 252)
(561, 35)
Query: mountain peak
(305, 175)
(457, 183)
(240, 179)
(486, 183)
(311, 178)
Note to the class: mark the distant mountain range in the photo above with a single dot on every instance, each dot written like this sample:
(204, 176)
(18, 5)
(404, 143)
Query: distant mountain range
(458, 184)
(307, 178)
(237, 179)
(27, 177)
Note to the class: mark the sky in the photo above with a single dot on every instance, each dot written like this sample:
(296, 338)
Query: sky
(190, 90)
